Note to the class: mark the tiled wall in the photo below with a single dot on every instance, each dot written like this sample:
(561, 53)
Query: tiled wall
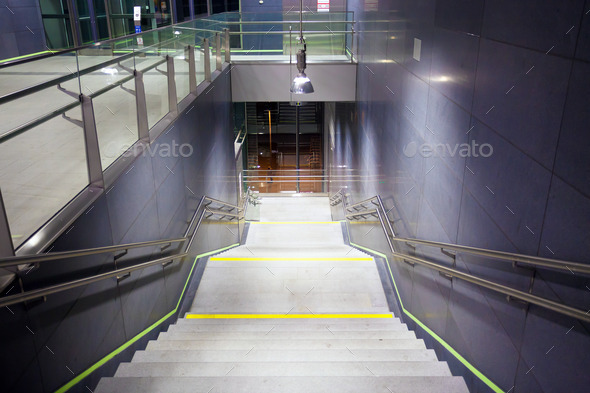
(514, 75)
(46, 344)
(21, 29)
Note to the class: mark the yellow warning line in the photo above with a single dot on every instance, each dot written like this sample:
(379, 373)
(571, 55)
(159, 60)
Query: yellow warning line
(282, 316)
(293, 222)
(290, 259)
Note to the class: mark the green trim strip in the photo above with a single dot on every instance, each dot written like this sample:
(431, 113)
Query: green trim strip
(25, 56)
(456, 354)
(126, 345)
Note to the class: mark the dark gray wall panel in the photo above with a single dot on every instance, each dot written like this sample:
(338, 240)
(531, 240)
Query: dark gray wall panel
(483, 77)
(454, 61)
(533, 24)
(18, 357)
(572, 162)
(21, 29)
(529, 115)
(149, 201)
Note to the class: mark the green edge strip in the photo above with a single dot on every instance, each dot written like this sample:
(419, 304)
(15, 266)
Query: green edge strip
(117, 351)
(25, 56)
(456, 354)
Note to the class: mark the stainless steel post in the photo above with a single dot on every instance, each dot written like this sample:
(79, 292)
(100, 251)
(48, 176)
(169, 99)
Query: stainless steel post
(192, 72)
(93, 161)
(172, 103)
(143, 128)
(227, 47)
(207, 61)
(218, 51)
(6, 247)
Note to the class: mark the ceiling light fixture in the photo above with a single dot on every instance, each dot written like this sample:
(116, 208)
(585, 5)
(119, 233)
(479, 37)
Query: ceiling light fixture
(301, 83)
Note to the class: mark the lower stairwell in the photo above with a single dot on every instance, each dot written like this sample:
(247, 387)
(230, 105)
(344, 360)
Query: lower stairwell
(292, 310)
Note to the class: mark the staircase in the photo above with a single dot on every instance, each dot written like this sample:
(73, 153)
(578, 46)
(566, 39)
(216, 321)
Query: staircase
(252, 151)
(315, 152)
(293, 310)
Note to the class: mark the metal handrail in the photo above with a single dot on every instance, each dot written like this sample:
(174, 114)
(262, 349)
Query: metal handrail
(223, 203)
(506, 256)
(76, 74)
(503, 289)
(531, 260)
(28, 259)
(278, 22)
(38, 293)
(450, 272)
(284, 32)
(59, 111)
(75, 49)
(42, 292)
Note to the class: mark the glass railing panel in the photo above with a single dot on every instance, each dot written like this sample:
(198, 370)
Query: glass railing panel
(16, 112)
(111, 87)
(180, 56)
(41, 170)
(32, 73)
(152, 62)
(212, 52)
(115, 113)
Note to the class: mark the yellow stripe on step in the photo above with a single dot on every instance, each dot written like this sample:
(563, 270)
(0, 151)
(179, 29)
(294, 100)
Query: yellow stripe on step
(289, 259)
(282, 316)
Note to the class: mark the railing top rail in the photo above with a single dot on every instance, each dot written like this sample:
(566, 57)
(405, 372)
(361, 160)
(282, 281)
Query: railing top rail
(78, 73)
(368, 200)
(32, 89)
(78, 48)
(277, 22)
(34, 294)
(515, 293)
(28, 259)
(506, 256)
(222, 203)
(451, 272)
(282, 32)
(502, 255)
(37, 293)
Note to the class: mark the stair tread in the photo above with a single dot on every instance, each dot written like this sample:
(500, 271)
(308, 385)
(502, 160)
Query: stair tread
(262, 355)
(290, 321)
(229, 327)
(221, 369)
(371, 384)
(278, 344)
(285, 335)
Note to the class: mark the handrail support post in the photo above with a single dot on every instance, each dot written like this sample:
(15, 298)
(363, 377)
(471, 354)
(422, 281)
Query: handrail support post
(227, 46)
(207, 59)
(172, 103)
(93, 161)
(192, 72)
(143, 130)
(218, 51)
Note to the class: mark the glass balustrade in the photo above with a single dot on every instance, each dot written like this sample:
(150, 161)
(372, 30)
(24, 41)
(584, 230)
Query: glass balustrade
(115, 92)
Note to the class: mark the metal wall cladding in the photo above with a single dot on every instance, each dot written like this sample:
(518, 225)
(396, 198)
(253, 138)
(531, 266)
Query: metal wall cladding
(488, 74)
(49, 343)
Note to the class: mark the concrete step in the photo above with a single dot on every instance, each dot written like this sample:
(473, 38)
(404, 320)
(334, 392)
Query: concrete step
(244, 327)
(264, 355)
(283, 384)
(289, 321)
(279, 345)
(278, 335)
(330, 369)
